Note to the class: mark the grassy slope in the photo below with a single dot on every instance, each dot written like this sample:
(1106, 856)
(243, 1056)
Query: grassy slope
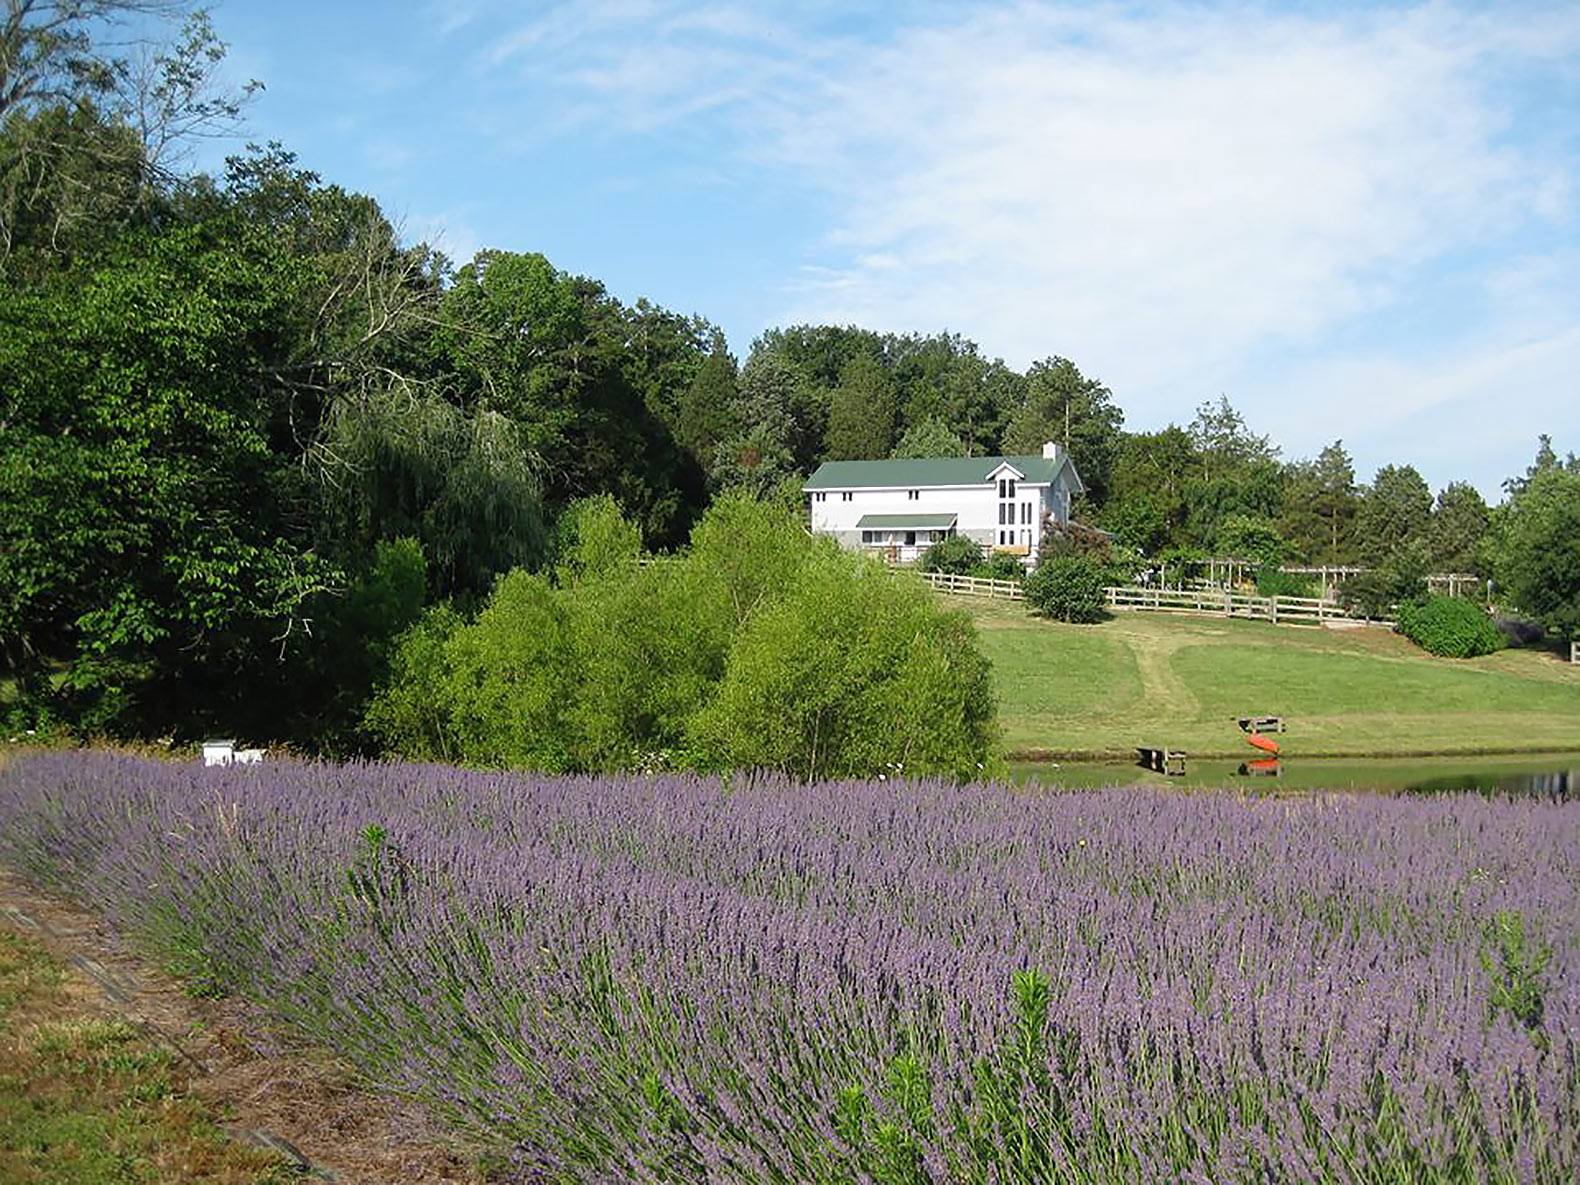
(1179, 681)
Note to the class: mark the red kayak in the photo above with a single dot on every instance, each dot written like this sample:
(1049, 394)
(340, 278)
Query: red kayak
(1266, 744)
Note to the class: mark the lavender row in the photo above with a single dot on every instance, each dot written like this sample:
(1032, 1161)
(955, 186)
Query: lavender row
(680, 979)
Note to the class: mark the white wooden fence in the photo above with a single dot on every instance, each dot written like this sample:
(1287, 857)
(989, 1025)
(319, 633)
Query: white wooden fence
(1214, 602)
(1228, 603)
(974, 586)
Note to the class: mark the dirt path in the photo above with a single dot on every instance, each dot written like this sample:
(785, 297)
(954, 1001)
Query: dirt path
(273, 1093)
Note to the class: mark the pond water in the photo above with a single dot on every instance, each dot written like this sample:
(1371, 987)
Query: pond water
(1552, 776)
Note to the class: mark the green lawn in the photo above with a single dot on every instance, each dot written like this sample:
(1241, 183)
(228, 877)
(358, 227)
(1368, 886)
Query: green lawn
(1159, 679)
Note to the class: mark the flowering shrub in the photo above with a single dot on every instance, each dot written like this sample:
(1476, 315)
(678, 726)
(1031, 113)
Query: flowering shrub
(744, 980)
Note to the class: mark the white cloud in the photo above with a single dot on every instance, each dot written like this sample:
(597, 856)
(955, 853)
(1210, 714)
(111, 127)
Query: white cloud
(1184, 199)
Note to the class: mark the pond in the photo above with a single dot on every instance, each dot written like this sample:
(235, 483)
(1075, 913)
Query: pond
(1552, 776)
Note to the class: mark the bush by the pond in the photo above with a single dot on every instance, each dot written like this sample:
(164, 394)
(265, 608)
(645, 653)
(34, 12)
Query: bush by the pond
(1069, 588)
(757, 982)
(1449, 626)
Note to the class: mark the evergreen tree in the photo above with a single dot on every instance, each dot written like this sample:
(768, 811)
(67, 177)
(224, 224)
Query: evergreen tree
(861, 413)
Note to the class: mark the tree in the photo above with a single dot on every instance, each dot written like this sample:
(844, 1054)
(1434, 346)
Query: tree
(773, 419)
(1223, 442)
(1395, 513)
(929, 438)
(861, 413)
(1537, 547)
(1243, 536)
(709, 407)
(549, 351)
(1459, 522)
(1063, 405)
(147, 527)
(90, 125)
(1319, 507)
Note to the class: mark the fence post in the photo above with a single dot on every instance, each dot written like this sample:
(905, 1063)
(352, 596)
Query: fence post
(1273, 603)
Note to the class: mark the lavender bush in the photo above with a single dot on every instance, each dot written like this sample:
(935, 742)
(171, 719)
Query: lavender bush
(676, 979)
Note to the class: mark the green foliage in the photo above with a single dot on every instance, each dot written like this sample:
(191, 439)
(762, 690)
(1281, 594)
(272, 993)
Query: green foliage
(1243, 536)
(411, 713)
(145, 529)
(1319, 507)
(1459, 524)
(1379, 592)
(595, 540)
(1271, 581)
(1395, 514)
(1449, 626)
(852, 671)
(861, 413)
(1002, 566)
(758, 646)
(1062, 404)
(930, 437)
(1515, 965)
(1068, 588)
(1537, 548)
(957, 555)
(1139, 523)
(397, 461)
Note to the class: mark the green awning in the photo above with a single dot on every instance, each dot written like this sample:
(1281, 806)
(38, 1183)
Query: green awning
(906, 522)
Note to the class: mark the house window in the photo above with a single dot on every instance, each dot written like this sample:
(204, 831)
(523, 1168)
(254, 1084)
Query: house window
(819, 497)
(866, 536)
(1002, 485)
(1011, 493)
(1025, 513)
(914, 495)
(846, 496)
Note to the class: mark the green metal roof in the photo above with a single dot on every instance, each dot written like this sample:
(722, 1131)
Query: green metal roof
(906, 522)
(930, 471)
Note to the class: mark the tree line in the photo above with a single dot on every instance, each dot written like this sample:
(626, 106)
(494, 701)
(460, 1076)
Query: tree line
(249, 432)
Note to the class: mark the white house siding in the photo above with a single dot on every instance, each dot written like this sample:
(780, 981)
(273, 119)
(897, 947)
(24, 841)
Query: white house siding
(976, 509)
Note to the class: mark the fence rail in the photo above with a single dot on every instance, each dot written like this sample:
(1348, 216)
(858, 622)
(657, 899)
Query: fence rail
(974, 586)
(1228, 603)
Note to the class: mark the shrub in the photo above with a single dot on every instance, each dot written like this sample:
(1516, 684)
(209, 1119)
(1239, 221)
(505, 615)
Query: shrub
(1068, 588)
(1449, 626)
(853, 672)
(760, 646)
(958, 555)
(1002, 566)
(1274, 582)
(1377, 593)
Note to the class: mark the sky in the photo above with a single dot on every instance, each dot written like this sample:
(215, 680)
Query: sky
(1356, 221)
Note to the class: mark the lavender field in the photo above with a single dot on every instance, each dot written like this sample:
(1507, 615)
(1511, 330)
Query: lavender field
(676, 979)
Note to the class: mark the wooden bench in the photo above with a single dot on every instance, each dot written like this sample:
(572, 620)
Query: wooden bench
(1260, 723)
(1163, 761)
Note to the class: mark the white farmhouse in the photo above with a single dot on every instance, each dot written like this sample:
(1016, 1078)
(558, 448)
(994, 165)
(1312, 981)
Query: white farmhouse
(903, 506)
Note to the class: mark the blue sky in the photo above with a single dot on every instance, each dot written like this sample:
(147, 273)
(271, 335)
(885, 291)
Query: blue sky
(1356, 221)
